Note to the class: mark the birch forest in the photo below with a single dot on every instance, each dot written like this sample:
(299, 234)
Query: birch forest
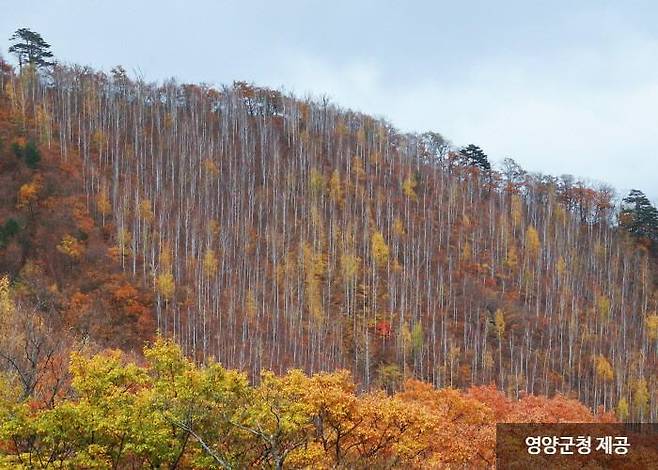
(262, 231)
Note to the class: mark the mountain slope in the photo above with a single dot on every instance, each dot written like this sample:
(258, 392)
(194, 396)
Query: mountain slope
(273, 232)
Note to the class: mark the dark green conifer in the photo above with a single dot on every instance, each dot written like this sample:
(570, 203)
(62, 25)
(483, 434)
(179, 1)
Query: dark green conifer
(474, 156)
(639, 217)
(30, 49)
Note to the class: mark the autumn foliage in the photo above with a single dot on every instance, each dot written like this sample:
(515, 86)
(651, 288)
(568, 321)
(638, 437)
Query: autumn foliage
(264, 232)
(170, 412)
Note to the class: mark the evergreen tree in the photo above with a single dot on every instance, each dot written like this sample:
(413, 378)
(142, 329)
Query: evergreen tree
(639, 217)
(474, 156)
(30, 48)
(32, 155)
(29, 151)
(17, 149)
(8, 230)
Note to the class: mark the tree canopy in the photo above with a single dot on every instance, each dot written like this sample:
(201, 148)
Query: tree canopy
(639, 217)
(172, 413)
(475, 156)
(30, 48)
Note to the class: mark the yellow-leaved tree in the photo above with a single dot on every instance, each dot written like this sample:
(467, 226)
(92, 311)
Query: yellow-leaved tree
(210, 263)
(409, 187)
(71, 247)
(335, 188)
(29, 193)
(166, 285)
(103, 203)
(380, 250)
(532, 243)
(604, 369)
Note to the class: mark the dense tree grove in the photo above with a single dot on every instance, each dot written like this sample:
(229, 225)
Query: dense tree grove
(265, 232)
(170, 413)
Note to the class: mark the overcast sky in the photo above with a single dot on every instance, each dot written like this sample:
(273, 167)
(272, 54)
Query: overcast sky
(561, 87)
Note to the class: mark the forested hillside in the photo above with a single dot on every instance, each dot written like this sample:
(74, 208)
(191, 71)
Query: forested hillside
(267, 232)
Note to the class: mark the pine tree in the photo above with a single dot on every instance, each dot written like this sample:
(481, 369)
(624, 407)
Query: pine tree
(32, 155)
(639, 217)
(474, 156)
(30, 48)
